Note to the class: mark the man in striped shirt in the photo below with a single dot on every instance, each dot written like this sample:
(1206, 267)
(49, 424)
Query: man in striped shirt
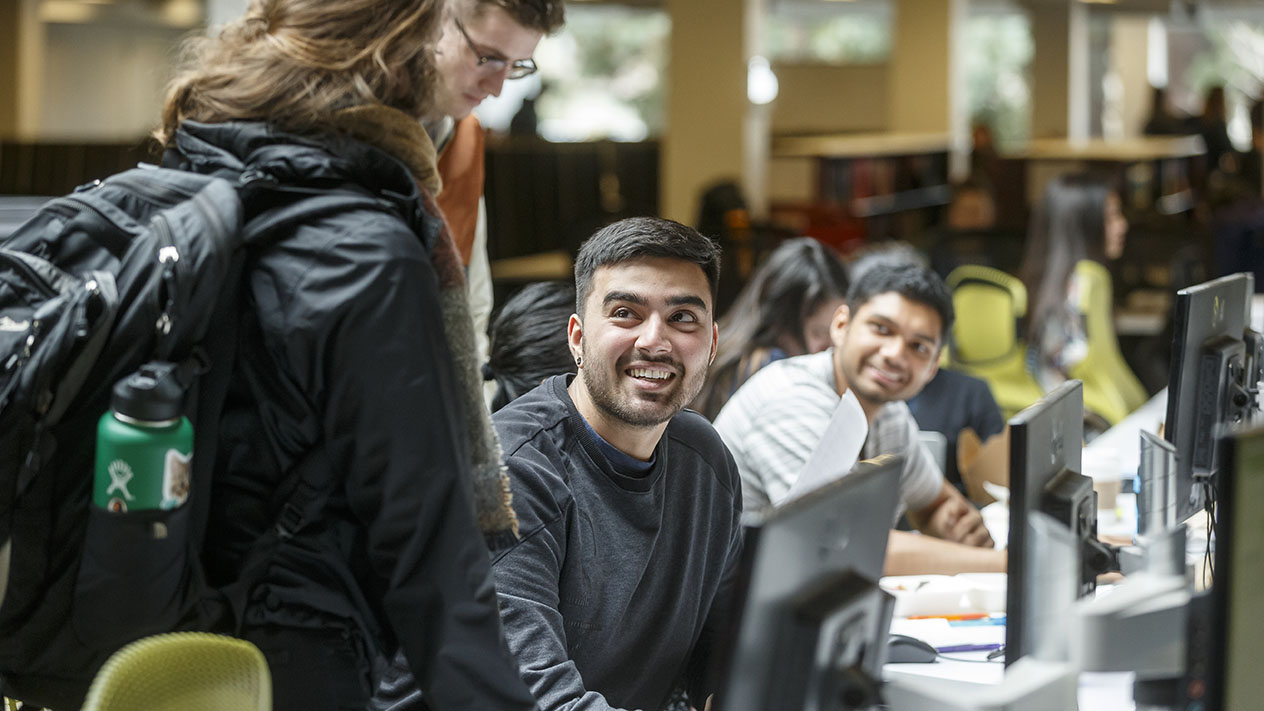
(887, 340)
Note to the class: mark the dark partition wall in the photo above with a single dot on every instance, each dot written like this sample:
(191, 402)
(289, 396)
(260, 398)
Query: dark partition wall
(541, 196)
(57, 168)
(545, 196)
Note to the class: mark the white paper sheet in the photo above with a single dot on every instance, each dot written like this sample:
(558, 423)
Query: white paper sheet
(838, 450)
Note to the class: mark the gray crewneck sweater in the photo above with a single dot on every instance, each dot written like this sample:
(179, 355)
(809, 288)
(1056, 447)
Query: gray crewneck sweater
(618, 588)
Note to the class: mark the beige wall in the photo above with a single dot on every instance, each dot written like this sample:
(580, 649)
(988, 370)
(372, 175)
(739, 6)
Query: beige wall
(87, 72)
(822, 99)
(706, 103)
(792, 180)
(1059, 70)
(28, 69)
(1129, 39)
(8, 68)
(104, 82)
(923, 62)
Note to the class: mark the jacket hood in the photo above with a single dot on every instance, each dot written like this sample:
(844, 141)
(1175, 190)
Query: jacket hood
(238, 149)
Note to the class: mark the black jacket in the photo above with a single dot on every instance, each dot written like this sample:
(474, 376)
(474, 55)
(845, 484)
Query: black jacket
(342, 349)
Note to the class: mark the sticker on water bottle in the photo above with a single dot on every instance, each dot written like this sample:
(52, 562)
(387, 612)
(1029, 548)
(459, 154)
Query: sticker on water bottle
(116, 505)
(176, 472)
(120, 477)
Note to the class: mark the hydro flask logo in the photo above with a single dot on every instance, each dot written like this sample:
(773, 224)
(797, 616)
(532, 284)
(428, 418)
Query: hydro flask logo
(120, 475)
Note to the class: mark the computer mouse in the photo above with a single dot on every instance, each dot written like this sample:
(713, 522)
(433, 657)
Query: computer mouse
(903, 649)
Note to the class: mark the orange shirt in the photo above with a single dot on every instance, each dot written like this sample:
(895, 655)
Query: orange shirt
(461, 167)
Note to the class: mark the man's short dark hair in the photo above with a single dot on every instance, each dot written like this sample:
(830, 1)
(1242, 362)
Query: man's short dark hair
(912, 281)
(639, 237)
(545, 16)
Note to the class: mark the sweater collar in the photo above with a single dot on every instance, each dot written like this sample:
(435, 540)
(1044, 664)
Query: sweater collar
(578, 429)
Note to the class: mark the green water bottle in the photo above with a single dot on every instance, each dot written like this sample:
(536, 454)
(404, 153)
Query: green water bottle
(144, 444)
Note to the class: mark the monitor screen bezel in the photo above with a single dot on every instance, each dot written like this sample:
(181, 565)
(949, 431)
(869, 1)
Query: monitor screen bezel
(1045, 440)
(1203, 314)
(865, 500)
(1234, 625)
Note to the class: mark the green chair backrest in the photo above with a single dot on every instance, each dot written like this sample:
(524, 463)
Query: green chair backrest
(183, 671)
(989, 305)
(1111, 389)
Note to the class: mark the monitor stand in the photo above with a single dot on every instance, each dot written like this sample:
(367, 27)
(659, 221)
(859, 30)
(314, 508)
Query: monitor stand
(1143, 626)
(1029, 684)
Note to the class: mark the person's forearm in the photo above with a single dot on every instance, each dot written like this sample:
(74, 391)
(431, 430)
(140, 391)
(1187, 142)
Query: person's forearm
(916, 554)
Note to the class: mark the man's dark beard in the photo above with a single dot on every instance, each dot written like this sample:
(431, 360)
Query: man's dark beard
(606, 396)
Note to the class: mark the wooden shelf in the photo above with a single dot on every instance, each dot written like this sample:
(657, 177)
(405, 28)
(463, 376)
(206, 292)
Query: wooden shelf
(1132, 150)
(859, 145)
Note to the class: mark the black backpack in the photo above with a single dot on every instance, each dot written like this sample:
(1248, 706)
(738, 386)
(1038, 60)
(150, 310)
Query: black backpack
(146, 265)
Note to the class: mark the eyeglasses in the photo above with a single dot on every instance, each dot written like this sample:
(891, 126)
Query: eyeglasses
(518, 68)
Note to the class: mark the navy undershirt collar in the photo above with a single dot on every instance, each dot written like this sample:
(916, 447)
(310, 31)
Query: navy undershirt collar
(621, 462)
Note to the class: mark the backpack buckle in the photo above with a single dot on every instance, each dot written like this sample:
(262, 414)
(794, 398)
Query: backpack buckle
(289, 522)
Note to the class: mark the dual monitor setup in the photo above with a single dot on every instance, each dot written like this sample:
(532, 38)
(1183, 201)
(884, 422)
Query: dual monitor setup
(1216, 371)
(812, 624)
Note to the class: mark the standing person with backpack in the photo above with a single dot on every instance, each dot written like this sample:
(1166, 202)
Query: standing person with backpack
(344, 361)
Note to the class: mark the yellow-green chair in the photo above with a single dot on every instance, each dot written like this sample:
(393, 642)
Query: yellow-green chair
(1110, 387)
(985, 341)
(183, 671)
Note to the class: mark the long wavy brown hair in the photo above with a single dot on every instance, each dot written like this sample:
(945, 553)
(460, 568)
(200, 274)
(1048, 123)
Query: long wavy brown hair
(294, 63)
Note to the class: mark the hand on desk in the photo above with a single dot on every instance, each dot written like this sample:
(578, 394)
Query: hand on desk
(956, 520)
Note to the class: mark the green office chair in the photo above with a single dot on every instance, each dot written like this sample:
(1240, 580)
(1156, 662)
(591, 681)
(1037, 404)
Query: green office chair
(1110, 387)
(985, 342)
(183, 671)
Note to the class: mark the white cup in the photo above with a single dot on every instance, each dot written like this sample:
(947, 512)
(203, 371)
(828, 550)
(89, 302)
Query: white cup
(1103, 466)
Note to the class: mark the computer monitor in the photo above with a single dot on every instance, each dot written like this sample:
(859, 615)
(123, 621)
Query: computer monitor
(1045, 443)
(1233, 680)
(1215, 368)
(812, 625)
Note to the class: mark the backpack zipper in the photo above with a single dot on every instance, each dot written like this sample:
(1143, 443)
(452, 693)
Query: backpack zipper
(168, 256)
(33, 276)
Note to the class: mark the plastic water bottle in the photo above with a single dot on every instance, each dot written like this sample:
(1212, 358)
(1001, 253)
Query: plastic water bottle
(144, 444)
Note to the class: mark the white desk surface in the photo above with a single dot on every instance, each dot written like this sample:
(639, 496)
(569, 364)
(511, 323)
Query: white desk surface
(1097, 691)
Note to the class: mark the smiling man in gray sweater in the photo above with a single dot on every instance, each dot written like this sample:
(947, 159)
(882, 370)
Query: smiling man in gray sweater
(629, 507)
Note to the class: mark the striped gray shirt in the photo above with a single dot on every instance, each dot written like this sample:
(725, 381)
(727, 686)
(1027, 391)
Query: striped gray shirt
(775, 420)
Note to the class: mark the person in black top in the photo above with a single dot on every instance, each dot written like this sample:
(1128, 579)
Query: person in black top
(950, 404)
(1162, 122)
(629, 505)
(1212, 125)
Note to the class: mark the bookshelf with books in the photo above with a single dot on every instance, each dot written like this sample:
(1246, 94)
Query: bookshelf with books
(869, 186)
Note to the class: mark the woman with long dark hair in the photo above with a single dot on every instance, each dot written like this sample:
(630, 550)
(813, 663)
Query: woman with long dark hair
(1079, 218)
(784, 310)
